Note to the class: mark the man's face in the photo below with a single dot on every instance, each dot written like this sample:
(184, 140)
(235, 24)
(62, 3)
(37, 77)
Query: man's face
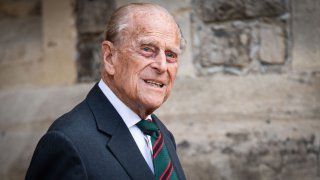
(146, 62)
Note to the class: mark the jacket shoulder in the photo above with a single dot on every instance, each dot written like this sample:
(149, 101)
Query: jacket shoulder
(56, 152)
(78, 118)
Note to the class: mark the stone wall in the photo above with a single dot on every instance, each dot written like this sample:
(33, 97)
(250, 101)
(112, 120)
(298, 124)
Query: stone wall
(91, 26)
(246, 103)
(20, 41)
(37, 43)
(241, 37)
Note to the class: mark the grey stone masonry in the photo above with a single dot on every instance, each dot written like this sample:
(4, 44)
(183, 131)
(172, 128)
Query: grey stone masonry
(92, 16)
(240, 37)
(91, 20)
(222, 10)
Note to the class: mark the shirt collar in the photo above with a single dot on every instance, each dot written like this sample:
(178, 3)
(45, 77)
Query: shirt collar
(129, 117)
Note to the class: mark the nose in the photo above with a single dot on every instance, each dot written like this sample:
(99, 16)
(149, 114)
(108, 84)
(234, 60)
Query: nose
(160, 62)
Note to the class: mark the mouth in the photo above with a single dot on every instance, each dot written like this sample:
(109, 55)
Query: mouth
(154, 84)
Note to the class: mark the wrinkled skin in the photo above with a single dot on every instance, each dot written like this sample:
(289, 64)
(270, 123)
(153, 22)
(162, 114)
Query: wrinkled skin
(141, 69)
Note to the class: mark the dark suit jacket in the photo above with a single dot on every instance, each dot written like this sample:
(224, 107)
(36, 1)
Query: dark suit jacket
(93, 142)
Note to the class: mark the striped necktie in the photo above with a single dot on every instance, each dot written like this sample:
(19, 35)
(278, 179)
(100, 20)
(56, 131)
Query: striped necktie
(162, 163)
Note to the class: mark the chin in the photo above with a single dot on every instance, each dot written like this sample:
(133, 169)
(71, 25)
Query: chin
(152, 106)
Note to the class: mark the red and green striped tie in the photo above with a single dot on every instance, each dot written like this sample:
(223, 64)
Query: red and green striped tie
(163, 166)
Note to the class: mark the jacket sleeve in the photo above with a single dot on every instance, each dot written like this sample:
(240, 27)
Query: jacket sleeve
(56, 157)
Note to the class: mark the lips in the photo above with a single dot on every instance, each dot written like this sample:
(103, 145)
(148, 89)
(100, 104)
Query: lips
(154, 83)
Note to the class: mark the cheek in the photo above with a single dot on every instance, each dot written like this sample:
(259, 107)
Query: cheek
(129, 73)
(172, 70)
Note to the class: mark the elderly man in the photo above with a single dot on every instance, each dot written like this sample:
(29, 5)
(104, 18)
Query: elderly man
(113, 134)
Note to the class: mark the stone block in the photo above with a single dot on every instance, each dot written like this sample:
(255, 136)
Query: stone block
(224, 45)
(89, 57)
(91, 21)
(41, 46)
(21, 51)
(306, 38)
(9, 8)
(92, 16)
(221, 10)
(272, 44)
(59, 43)
(17, 75)
(20, 40)
(265, 8)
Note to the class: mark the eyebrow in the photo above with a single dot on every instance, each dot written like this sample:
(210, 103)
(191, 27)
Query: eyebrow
(152, 42)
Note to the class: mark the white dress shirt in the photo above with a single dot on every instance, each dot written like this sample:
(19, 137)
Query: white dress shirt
(130, 118)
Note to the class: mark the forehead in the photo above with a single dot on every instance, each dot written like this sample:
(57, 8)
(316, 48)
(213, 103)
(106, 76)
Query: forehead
(154, 26)
(158, 42)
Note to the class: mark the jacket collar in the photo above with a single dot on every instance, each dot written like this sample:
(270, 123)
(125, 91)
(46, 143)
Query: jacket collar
(121, 143)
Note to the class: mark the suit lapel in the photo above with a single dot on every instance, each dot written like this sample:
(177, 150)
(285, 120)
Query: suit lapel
(121, 143)
(128, 154)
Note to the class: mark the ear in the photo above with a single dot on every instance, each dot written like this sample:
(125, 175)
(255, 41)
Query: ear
(108, 57)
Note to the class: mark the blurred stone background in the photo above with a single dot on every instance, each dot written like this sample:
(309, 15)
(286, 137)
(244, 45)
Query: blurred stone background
(245, 106)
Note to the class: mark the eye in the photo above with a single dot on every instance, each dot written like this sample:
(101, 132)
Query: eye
(146, 51)
(171, 56)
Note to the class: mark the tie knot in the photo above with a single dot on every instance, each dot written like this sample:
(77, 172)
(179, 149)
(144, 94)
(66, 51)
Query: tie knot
(148, 127)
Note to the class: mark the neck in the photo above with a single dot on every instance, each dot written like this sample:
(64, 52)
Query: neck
(135, 107)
